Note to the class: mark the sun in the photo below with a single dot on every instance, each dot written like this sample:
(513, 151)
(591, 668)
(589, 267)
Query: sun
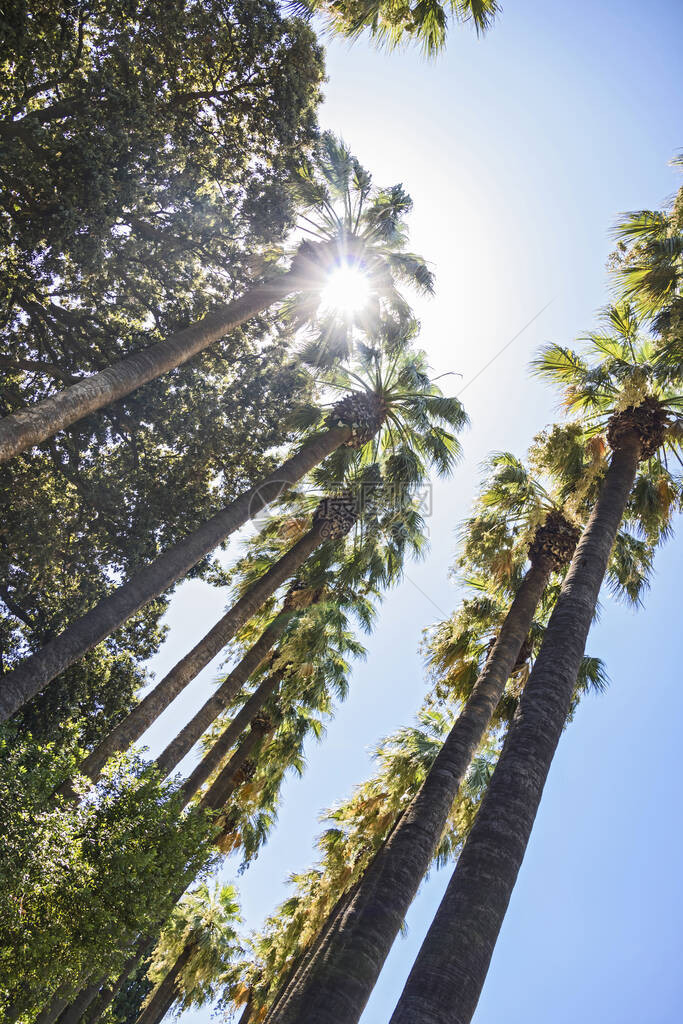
(347, 290)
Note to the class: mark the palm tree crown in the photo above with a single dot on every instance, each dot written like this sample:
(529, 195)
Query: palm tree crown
(393, 23)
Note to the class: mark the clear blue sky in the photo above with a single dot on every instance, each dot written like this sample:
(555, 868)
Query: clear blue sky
(519, 150)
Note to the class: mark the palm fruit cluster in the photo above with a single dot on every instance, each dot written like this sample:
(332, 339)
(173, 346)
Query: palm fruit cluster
(246, 772)
(299, 596)
(554, 541)
(363, 412)
(649, 421)
(336, 515)
(262, 723)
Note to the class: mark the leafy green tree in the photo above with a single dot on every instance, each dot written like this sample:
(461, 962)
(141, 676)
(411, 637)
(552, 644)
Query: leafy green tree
(627, 393)
(206, 109)
(66, 539)
(107, 245)
(78, 882)
(394, 23)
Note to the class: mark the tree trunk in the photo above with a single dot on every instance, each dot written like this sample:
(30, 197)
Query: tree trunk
(183, 743)
(448, 975)
(227, 782)
(183, 672)
(30, 426)
(246, 1013)
(39, 669)
(337, 987)
(75, 1011)
(50, 1014)
(302, 966)
(165, 994)
(213, 757)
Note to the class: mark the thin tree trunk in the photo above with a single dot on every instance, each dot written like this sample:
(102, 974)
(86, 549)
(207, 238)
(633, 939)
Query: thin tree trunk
(183, 672)
(213, 757)
(57, 1006)
(448, 975)
(227, 782)
(75, 1011)
(30, 426)
(110, 992)
(339, 984)
(165, 994)
(183, 743)
(246, 1013)
(33, 675)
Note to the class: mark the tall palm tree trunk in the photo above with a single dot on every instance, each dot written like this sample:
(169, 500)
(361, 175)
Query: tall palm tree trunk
(319, 945)
(174, 682)
(337, 986)
(310, 953)
(30, 426)
(448, 975)
(227, 739)
(232, 775)
(165, 994)
(33, 675)
(76, 1010)
(183, 743)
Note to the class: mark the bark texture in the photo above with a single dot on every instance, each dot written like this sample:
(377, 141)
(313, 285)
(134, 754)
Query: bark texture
(213, 757)
(38, 422)
(338, 983)
(34, 674)
(449, 972)
(165, 994)
(50, 1014)
(75, 1011)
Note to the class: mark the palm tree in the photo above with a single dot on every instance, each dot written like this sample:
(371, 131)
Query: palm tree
(626, 392)
(353, 223)
(195, 953)
(393, 24)
(332, 519)
(529, 522)
(398, 401)
(335, 989)
(343, 587)
(649, 261)
(356, 830)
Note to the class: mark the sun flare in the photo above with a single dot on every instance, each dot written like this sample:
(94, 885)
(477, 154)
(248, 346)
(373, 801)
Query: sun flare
(346, 291)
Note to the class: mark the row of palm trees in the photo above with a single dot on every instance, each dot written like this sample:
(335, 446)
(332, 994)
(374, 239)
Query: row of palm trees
(390, 427)
(517, 521)
(628, 396)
